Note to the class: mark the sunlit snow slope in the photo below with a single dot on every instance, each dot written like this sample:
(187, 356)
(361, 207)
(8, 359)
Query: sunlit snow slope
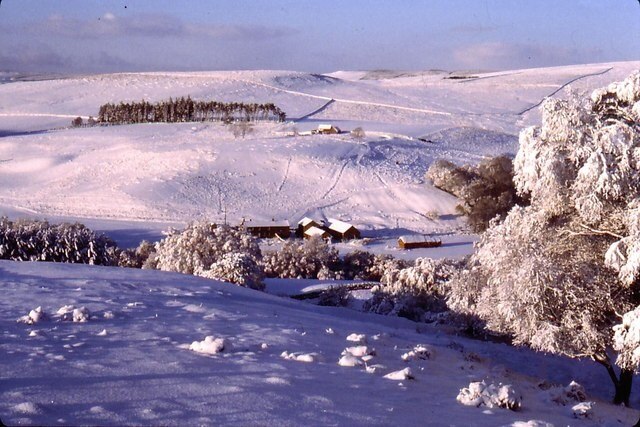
(181, 172)
(130, 362)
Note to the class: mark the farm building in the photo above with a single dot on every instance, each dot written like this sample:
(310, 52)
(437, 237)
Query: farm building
(316, 231)
(418, 241)
(342, 230)
(304, 224)
(268, 229)
(328, 129)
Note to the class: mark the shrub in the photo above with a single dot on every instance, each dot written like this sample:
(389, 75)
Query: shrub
(334, 296)
(136, 258)
(77, 122)
(367, 266)
(309, 259)
(28, 240)
(239, 268)
(358, 134)
(414, 291)
(202, 247)
(486, 192)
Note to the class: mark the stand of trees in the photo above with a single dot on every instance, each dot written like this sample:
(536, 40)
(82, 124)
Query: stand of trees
(187, 110)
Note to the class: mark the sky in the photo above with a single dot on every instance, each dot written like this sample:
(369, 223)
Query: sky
(79, 36)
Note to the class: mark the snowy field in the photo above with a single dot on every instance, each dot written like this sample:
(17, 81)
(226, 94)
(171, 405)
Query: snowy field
(155, 175)
(133, 360)
(271, 360)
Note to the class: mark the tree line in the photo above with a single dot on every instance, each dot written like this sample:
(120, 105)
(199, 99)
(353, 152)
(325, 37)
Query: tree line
(187, 110)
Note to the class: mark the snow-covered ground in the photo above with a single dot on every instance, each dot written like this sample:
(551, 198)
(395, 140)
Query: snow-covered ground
(155, 174)
(132, 362)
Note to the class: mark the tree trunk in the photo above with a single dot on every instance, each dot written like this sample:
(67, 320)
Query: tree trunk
(623, 389)
(622, 383)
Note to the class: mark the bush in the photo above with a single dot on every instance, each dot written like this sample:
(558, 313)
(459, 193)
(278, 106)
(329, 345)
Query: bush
(415, 291)
(207, 250)
(28, 240)
(239, 268)
(364, 265)
(309, 259)
(77, 122)
(334, 296)
(138, 257)
(486, 192)
(358, 134)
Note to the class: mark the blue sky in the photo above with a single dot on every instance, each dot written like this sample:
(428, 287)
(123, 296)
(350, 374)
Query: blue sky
(71, 36)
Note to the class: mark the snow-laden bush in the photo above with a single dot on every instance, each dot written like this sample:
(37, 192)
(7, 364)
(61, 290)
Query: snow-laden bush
(239, 268)
(450, 177)
(414, 291)
(36, 315)
(309, 259)
(138, 257)
(571, 394)
(492, 395)
(28, 240)
(207, 250)
(485, 192)
(334, 296)
(367, 266)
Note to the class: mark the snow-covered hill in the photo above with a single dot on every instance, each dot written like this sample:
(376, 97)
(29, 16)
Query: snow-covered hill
(131, 362)
(161, 173)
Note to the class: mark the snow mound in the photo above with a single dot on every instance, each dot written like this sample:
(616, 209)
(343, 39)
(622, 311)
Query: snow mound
(401, 375)
(209, 345)
(73, 314)
(359, 338)
(300, 356)
(350, 361)
(28, 408)
(419, 352)
(583, 410)
(480, 394)
(532, 423)
(359, 351)
(36, 315)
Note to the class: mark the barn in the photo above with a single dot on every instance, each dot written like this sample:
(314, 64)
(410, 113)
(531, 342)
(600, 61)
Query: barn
(342, 230)
(268, 229)
(418, 241)
(328, 129)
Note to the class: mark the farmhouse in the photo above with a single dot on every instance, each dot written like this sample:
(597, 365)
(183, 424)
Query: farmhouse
(418, 241)
(268, 229)
(304, 224)
(342, 230)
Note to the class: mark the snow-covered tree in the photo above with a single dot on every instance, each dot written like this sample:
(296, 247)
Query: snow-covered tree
(554, 274)
(310, 259)
(30, 240)
(413, 291)
(204, 246)
(239, 268)
(485, 191)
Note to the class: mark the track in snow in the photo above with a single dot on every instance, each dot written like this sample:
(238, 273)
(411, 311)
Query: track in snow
(286, 176)
(316, 111)
(336, 180)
